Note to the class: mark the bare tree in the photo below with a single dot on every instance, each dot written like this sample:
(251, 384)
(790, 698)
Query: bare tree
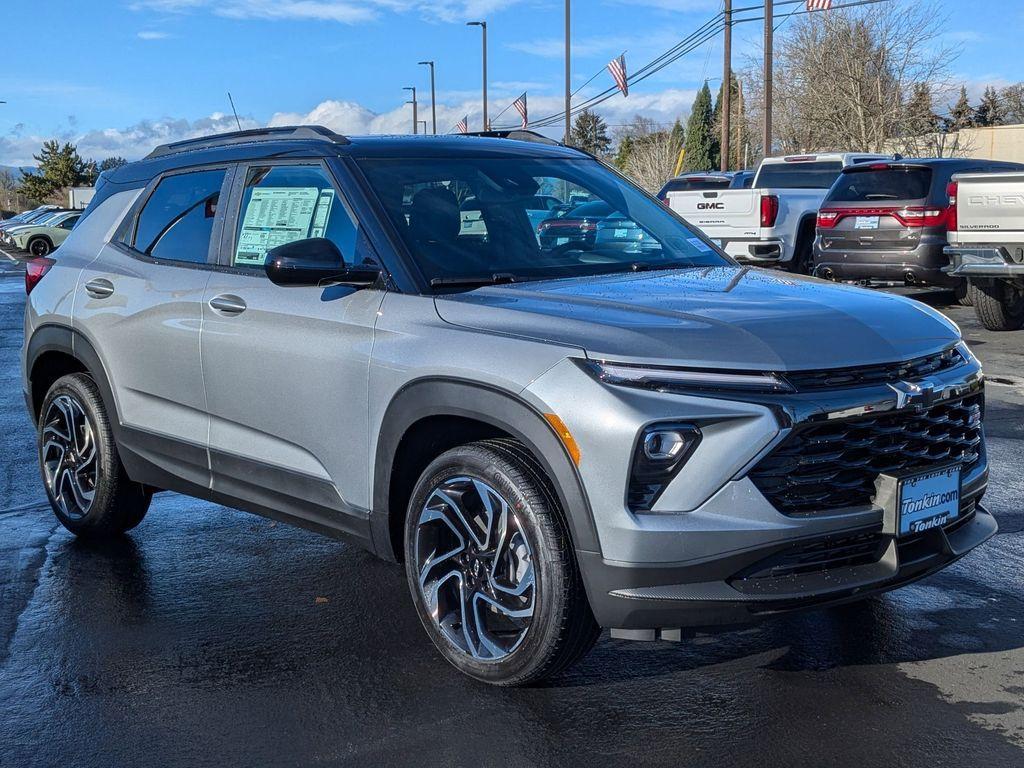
(845, 79)
(647, 155)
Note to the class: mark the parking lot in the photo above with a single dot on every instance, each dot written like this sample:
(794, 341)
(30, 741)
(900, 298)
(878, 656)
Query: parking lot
(212, 637)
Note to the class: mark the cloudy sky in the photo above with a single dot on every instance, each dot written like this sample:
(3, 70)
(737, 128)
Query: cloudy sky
(119, 76)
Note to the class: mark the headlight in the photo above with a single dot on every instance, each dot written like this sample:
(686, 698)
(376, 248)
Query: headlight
(686, 379)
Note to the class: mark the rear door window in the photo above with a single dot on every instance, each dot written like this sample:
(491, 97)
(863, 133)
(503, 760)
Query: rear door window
(881, 185)
(177, 221)
(801, 175)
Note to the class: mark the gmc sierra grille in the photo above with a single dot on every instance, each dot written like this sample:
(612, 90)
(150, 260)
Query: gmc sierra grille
(823, 466)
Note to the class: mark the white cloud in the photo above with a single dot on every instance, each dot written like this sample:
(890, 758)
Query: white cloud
(151, 35)
(348, 117)
(342, 11)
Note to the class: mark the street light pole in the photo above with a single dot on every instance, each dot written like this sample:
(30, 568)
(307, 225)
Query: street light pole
(483, 27)
(727, 87)
(433, 97)
(415, 116)
(769, 21)
(568, 76)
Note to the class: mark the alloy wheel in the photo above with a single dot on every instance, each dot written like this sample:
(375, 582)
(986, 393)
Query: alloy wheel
(69, 456)
(39, 248)
(475, 568)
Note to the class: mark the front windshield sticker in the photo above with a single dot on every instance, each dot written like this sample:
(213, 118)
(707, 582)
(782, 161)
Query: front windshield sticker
(323, 212)
(699, 244)
(275, 216)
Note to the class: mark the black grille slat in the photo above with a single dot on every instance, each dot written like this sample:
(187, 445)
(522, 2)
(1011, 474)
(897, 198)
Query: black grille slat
(840, 378)
(817, 556)
(821, 467)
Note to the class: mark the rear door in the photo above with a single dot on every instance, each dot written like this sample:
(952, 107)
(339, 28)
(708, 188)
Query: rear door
(286, 368)
(140, 305)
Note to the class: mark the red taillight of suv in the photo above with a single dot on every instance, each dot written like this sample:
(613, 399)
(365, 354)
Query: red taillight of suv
(769, 210)
(951, 189)
(908, 216)
(34, 271)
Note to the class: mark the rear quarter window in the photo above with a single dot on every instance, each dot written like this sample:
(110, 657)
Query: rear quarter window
(882, 185)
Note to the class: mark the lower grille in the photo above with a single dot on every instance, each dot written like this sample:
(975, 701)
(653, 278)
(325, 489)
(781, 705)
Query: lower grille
(843, 551)
(824, 466)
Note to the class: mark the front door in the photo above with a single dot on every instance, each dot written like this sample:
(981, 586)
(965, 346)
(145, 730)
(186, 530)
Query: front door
(286, 368)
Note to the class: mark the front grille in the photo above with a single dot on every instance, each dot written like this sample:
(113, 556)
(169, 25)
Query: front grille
(911, 370)
(823, 466)
(840, 551)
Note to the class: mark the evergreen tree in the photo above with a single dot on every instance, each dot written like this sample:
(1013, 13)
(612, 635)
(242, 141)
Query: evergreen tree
(921, 117)
(701, 145)
(58, 167)
(962, 114)
(590, 133)
(990, 110)
(111, 163)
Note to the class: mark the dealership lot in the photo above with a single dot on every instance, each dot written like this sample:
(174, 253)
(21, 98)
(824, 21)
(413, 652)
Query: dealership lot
(209, 636)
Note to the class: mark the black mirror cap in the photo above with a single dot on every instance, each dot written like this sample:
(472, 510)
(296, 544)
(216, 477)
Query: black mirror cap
(315, 261)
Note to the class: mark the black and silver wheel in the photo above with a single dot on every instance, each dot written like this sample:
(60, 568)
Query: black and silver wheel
(39, 247)
(491, 569)
(999, 305)
(85, 482)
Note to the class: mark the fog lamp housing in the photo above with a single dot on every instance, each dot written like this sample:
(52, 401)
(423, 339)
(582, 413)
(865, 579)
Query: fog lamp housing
(661, 451)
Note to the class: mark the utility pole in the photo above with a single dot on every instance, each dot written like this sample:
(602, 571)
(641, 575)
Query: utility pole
(415, 115)
(769, 21)
(433, 97)
(727, 87)
(424, 124)
(568, 77)
(739, 125)
(483, 27)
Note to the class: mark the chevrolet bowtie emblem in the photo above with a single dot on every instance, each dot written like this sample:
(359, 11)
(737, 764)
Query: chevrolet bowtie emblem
(908, 393)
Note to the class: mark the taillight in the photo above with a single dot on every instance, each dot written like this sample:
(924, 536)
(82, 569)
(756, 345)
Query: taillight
(921, 217)
(588, 226)
(827, 219)
(951, 190)
(664, 199)
(769, 210)
(34, 271)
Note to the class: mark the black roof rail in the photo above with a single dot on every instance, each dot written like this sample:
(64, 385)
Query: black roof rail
(517, 134)
(315, 132)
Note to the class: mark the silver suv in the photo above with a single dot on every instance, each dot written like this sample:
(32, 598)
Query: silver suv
(553, 436)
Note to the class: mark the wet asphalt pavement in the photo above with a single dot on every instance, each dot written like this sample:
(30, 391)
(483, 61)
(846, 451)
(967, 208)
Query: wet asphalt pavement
(213, 637)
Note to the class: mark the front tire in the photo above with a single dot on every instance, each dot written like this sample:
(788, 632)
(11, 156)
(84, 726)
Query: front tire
(491, 568)
(999, 305)
(88, 488)
(39, 247)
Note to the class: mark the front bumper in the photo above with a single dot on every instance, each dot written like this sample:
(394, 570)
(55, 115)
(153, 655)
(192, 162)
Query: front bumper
(713, 551)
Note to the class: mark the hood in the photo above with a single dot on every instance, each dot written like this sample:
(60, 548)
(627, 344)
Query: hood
(723, 317)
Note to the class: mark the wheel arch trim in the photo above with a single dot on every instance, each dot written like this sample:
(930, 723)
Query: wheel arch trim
(461, 398)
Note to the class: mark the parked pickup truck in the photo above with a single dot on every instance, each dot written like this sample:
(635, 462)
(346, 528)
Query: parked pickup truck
(772, 223)
(986, 244)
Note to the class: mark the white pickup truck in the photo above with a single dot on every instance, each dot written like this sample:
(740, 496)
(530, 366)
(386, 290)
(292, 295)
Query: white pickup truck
(986, 244)
(772, 223)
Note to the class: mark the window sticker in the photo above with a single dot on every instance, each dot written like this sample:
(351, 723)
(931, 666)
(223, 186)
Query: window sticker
(699, 244)
(274, 216)
(323, 213)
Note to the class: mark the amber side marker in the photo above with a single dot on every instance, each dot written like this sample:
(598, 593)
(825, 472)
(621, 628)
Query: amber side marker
(565, 436)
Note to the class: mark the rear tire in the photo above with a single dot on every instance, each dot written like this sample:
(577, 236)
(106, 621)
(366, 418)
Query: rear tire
(802, 262)
(999, 306)
(87, 485)
(964, 291)
(466, 593)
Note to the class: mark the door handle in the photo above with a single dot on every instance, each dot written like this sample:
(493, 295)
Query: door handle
(99, 288)
(228, 303)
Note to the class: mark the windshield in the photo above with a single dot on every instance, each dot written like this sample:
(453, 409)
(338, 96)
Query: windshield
(500, 234)
(893, 183)
(798, 175)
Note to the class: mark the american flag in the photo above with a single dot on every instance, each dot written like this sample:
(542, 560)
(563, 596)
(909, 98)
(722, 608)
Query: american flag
(520, 105)
(819, 5)
(617, 67)
(463, 125)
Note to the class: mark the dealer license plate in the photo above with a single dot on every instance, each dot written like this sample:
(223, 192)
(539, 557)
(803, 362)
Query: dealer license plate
(866, 222)
(619, 234)
(929, 500)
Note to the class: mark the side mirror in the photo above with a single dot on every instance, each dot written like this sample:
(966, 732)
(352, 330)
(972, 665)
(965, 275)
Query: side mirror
(315, 261)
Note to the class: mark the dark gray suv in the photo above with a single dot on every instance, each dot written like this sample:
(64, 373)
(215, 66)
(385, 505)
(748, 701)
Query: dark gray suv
(554, 436)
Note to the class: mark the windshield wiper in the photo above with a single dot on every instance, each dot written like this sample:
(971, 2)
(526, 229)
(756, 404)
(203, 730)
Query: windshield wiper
(470, 281)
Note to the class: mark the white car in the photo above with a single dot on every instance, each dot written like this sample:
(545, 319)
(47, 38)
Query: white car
(772, 223)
